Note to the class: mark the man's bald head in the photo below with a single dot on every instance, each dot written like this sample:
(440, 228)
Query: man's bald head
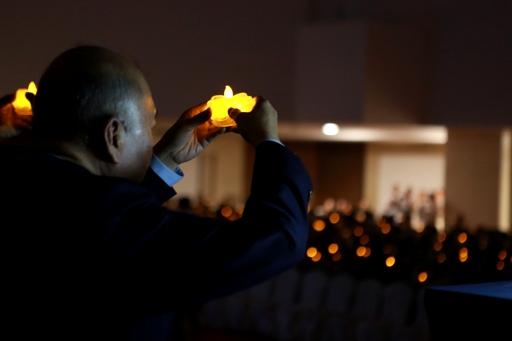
(82, 88)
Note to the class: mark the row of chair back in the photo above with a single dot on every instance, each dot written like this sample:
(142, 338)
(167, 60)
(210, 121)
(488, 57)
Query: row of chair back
(315, 306)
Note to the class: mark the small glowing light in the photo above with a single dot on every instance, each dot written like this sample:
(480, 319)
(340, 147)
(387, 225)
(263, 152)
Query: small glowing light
(385, 229)
(311, 252)
(361, 216)
(367, 252)
(438, 246)
(318, 225)
(358, 231)
(330, 129)
(420, 228)
(390, 261)
(226, 211)
(441, 258)
(317, 257)
(333, 248)
(361, 251)
(336, 257)
(441, 237)
(334, 218)
(500, 265)
(387, 249)
(346, 232)
(364, 239)
(463, 254)
(462, 237)
(422, 277)
(502, 255)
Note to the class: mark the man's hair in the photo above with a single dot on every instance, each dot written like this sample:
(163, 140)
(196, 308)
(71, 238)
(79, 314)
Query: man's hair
(82, 88)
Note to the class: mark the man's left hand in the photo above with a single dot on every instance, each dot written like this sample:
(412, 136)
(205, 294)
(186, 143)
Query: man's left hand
(188, 137)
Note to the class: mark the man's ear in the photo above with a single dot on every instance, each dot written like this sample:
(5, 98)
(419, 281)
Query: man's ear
(113, 137)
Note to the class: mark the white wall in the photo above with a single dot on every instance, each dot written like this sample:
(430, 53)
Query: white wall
(419, 167)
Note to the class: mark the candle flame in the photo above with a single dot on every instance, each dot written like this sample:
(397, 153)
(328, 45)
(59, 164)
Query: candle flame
(228, 92)
(32, 88)
(21, 104)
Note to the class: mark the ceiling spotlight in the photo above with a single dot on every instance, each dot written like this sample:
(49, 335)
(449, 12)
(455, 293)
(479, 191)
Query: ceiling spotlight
(330, 129)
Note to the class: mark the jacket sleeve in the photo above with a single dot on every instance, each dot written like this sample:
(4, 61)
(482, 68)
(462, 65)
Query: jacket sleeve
(157, 186)
(180, 259)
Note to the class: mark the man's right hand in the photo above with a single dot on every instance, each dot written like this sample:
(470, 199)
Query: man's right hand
(258, 125)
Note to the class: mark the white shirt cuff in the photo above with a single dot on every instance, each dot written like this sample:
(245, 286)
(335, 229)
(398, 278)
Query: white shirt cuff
(169, 176)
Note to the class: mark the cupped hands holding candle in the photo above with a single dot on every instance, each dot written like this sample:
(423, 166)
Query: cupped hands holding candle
(220, 104)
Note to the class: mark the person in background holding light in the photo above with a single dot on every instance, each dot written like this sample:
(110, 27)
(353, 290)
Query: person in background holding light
(99, 257)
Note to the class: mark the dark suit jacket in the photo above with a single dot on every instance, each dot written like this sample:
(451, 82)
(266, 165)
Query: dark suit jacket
(91, 257)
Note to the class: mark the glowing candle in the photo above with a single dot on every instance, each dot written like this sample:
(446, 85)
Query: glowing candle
(21, 104)
(219, 105)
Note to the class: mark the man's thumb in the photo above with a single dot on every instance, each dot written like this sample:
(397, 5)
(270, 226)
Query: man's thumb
(233, 113)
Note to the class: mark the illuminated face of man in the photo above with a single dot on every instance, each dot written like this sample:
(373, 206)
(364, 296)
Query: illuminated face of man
(138, 141)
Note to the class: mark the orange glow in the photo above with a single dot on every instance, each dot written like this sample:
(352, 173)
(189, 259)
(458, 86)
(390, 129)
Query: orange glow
(317, 257)
(390, 261)
(361, 216)
(358, 231)
(438, 246)
(463, 254)
(502, 255)
(336, 257)
(364, 239)
(385, 229)
(500, 265)
(318, 225)
(387, 249)
(441, 237)
(462, 237)
(226, 211)
(361, 251)
(346, 232)
(420, 228)
(333, 248)
(441, 258)
(334, 218)
(422, 277)
(311, 252)
(367, 252)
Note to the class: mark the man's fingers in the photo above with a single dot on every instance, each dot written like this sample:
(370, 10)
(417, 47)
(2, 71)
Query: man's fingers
(6, 100)
(233, 113)
(197, 120)
(211, 135)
